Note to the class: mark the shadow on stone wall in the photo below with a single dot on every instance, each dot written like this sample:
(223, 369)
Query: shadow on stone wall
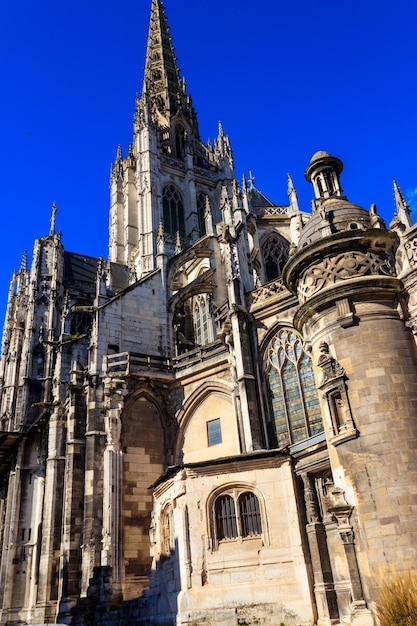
(157, 604)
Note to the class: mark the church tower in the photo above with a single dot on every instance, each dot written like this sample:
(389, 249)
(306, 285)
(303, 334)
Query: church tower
(169, 175)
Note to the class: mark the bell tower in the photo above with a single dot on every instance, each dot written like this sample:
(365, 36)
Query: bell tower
(160, 190)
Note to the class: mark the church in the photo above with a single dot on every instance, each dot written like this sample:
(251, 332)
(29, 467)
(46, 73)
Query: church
(217, 424)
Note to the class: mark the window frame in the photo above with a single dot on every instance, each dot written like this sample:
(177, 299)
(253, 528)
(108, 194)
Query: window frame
(236, 493)
(282, 360)
(275, 252)
(173, 210)
(210, 441)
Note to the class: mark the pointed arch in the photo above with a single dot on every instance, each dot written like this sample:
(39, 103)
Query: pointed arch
(275, 250)
(292, 394)
(143, 460)
(173, 210)
(203, 322)
(201, 211)
(180, 139)
(209, 401)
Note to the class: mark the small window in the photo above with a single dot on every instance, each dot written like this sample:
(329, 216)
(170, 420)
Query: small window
(214, 432)
(236, 515)
(250, 516)
(225, 512)
(167, 542)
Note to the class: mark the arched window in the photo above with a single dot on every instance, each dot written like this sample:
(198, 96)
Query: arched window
(275, 255)
(38, 363)
(203, 328)
(173, 209)
(293, 396)
(249, 514)
(167, 543)
(179, 141)
(201, 210)
(225, 514)
(237, 514)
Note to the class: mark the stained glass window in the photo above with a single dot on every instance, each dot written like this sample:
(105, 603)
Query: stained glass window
(293, 396)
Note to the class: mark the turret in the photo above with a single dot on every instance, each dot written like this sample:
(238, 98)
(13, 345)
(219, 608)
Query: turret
(323, 171)
(343, 274)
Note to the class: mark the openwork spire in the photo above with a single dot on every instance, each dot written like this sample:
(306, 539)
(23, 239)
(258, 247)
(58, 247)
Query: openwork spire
(162, 84)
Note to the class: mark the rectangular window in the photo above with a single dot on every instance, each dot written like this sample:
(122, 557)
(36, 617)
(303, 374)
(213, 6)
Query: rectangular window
(214, 432)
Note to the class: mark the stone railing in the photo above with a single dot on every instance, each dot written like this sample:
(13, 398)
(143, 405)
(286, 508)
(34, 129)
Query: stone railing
(273, 289)
(125, 363)
(276, 210)
(202, 354)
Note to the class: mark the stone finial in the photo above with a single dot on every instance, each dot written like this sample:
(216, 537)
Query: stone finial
(52, 220)
(244, 184)
(402, 210)
(330, 367)
(178, 246)
(160, 239)
(23, 264)
(292, 195)
(251, 180)
(376, 220)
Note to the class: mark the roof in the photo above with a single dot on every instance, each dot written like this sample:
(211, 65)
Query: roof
(80, 268)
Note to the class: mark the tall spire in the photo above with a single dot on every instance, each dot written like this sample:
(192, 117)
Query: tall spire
(161, 84)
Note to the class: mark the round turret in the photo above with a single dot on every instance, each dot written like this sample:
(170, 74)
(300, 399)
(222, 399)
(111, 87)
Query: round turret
(323, 171)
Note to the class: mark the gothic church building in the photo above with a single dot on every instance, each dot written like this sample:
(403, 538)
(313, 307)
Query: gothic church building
(217, 424)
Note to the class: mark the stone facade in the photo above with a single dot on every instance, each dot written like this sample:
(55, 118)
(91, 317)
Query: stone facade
(218, 423)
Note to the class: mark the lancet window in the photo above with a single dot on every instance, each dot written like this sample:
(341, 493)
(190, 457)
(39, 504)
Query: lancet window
(275, 255)
(167, 542)
(203, 325)
(179, 141)
(201, 209)
(173, 210)
(294, 401)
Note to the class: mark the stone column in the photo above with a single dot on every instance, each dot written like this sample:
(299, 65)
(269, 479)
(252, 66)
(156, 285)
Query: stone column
(322, 572)
(112, 480)
(341, 512)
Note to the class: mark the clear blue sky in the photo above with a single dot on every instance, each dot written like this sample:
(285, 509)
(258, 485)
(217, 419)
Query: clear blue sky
(285, 78)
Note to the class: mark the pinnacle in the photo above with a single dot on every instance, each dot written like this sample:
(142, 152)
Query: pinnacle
(52, 220)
